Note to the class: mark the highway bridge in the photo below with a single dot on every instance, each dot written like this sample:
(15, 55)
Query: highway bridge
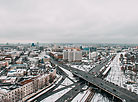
(110, 88)
(116, 91)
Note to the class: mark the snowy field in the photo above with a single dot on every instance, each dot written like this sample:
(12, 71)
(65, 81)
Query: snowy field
(99, 98)
(70, 75)
(66, 82)
(116, 76)
(82, 67)
(56, 96)
(81, 97)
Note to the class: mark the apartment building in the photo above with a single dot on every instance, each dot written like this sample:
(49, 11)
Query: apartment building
(72, 55)
(26, 87)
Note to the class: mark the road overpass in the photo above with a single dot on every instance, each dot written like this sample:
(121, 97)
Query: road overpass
(116, 91)
(111, 88)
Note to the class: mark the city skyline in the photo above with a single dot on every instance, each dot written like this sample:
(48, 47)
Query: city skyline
(69, 21)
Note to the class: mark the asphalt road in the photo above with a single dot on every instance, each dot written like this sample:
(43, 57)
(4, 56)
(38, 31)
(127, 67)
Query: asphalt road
(72, 93)
(97, 68)
(51, 91)
(48, 93)
(111, 88)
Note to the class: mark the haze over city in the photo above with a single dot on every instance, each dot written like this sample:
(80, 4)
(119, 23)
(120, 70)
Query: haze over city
(62, 21)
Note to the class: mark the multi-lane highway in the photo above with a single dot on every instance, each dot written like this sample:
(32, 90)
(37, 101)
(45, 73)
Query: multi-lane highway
(68, 95)
(111, 88)
(116, 91)
(72, 93)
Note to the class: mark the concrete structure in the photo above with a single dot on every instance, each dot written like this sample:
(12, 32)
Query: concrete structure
(56, 55)
(26, 87)
(17, 72)
(93, 55)
(4, 64)
(71, 55)
(136, 66)
(8, 59)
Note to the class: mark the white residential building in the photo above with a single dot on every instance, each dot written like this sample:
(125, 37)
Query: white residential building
(72, 55)
(65, 55)
(93, 55)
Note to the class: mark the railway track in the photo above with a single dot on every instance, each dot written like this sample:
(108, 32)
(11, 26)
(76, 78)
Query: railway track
(90, 96)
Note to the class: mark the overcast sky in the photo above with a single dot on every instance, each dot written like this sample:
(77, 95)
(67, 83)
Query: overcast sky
(81, 21)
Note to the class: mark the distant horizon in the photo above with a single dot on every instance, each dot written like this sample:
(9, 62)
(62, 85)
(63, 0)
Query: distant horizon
(69, 43)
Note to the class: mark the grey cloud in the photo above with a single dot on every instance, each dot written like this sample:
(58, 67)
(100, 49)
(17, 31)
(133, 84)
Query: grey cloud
(69, 21)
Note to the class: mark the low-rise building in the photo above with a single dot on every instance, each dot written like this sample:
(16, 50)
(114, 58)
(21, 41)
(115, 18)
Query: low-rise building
(26, 87)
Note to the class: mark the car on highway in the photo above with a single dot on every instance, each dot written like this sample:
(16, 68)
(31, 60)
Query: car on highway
(114, 90)
(123, 100)
(75, 72)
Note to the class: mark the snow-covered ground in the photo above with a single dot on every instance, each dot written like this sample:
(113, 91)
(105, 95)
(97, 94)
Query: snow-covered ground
(58, 79)
(70, 75)
(81, 97)
(78, 67)
(117, 77)
(99, 98)
(66, 82)
(56, 96)
(82, 67)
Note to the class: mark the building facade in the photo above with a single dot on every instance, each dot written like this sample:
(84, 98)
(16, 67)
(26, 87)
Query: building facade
(27, 87)
(72, 55)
